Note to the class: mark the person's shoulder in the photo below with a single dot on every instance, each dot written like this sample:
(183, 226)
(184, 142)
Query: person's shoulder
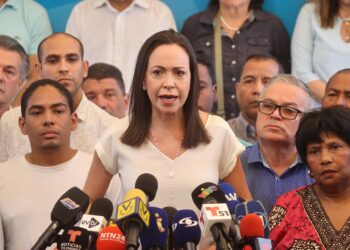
(215, 121)
(33, 6)
(157, 5)
(267, 17)
(84, 5)
(11, 116)
(10, 165)
(308, 9)
(198, 17)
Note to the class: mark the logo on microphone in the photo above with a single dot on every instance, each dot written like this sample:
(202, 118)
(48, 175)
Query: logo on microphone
(126, 208)
(205, 192)
(73, 234)
(159, 222)
(68, 203)
(186, 222)
(231, 197)
(215, 211)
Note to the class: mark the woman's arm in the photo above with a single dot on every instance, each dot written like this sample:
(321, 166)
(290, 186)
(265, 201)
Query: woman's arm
(302, 52)
(237, 179)
(98, 180)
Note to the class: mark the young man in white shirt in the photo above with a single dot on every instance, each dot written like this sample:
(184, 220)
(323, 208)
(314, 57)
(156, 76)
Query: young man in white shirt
(31, 184)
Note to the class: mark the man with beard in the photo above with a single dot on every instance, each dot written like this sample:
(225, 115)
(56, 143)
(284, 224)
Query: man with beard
(61, 59)
(257, 72)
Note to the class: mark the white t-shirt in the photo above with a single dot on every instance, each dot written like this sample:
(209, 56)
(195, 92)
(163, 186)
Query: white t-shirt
(116, 37)
(29, 192)
(176, 178)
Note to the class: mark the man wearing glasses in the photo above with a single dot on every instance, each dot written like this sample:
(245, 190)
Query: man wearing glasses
(272, 166)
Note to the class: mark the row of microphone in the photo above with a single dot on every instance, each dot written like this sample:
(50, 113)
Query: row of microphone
(223, 220)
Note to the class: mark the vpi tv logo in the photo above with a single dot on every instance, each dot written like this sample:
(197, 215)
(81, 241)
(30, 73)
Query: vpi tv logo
(90, 223)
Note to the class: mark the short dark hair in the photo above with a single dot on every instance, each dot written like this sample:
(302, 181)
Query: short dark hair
(101, 71)
(265, 57)
(40, 46)
(205, 60)
(253, 5)
(332, 120)
(10, 44)
(343, 71)
(140, 104)
(41, 83)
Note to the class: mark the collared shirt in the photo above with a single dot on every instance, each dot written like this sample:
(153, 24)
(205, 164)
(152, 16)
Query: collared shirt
(242, 129)
(26, 21)
(263, 182)
(116, 37)
(92, 122)
(261, 33)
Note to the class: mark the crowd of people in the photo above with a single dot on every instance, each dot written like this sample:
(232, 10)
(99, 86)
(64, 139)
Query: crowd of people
(229, 98)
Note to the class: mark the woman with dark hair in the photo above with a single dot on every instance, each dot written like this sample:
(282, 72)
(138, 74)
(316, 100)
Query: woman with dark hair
(321, 43)
(166, 135)
(228, 31)
(318, 216)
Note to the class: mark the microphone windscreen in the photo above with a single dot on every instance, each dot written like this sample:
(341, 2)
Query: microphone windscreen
(251, 226)
(111, 237)
(254, 207)
(186, 228)
(207, 193)
(74, 238)
(170, 211)
(148, 184)
(70, 207)
(157, 233)
(102, 207)
(131, 194)
(230, 195)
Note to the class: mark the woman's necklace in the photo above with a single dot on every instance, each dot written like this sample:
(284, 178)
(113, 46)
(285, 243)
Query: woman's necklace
(227, 25)
(346, 22)
(155, 141)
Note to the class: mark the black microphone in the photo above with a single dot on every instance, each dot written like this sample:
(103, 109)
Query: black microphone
(75, 238)
(170, 211)
(215, 218)
(100, 212)
(133, 215)
(148, 184)
(67, 211)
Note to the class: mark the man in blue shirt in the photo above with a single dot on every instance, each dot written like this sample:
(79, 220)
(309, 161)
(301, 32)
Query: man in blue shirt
(272, 166)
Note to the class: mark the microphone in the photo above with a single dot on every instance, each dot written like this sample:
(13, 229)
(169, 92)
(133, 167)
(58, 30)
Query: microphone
(133, 215)
(187, 233)
(67, 211)
(155, 237)
(148, 184)
(75, 238)
(111, 237)
(215, 218)
(171, 211)
(232, 202)
(100, 212)
(230, 196)
(252, 232)
(253, 207)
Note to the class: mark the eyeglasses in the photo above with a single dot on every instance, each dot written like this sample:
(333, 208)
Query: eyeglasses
(285, 112)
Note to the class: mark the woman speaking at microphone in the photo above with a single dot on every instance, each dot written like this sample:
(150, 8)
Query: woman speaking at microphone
(318, 216)
(165, 134)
